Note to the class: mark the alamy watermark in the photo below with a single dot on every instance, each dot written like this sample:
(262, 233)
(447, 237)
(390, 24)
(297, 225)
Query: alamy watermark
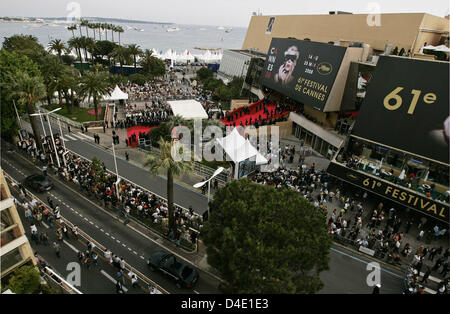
(374, 17)
(74, 14)
(374, 277)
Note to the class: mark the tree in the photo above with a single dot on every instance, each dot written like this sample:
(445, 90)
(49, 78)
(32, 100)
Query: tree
(26, 45)
(135, 51)
(58, 46)
(76, 43)
(28, 90)
(204, 74)
(395, 51)
(151, 65)
(266, 240)
(165, 162)
(120, 53)
(99, 172)
(119, 30)
(72, 28)
(11, 63)
(95, 85)
(25, 280)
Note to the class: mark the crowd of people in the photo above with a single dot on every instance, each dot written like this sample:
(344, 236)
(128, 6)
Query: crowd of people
(150, 115)
(160, 91)
(131, 199)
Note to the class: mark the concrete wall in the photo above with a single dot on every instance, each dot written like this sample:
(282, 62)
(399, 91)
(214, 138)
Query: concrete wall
(397, 29)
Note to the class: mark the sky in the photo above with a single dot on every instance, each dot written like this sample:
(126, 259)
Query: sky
(212, 12)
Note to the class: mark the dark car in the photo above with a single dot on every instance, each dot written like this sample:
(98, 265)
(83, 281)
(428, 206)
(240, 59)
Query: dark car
(38, 182)
(183, 274)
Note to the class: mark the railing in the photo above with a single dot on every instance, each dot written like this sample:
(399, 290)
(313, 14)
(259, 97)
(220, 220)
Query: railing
(202, 170)
(99, 247)
(55, 117)
(56, 280)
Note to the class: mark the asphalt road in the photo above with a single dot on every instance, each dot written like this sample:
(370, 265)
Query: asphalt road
(347, 273)
(85, 147)
(103, 227)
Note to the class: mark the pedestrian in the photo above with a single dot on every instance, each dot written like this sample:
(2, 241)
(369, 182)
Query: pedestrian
(426, 275)
(65, 233)
(80, 256)
(376, 289)
(104, 128)
(134, 280)
(59, 234)
(57, 248)
(44, 238)
(75, 232)
(119, 287)
(445, 269)
(68, 128)
(29, 215)
(119, 276)
(122, 263)
(108, 256)
(433, 252)
(44, 170)
(420, 235)
(127, 157)
(409, 223)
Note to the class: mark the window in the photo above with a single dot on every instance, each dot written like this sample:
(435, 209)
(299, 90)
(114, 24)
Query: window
(10, 259)
(439, 174)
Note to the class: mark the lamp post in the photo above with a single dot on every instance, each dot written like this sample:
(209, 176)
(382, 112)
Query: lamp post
(115, 160)
(50, 128)
(200, 184)
(62, 139)
(18, 119)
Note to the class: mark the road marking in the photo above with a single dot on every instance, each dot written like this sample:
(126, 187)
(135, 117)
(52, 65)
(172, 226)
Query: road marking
(118, 241)
(123, 244)
(45, 225)
(142, 257)
(427, 290)
(72, 138)
(70, 245)
(91, 222)
(135, 252)
(104, 273)
(83, 135)
(129, 249)
(86, 219)
(362, 261)
(196, 291)
(96, 226)
(78, 137)
(431, 278)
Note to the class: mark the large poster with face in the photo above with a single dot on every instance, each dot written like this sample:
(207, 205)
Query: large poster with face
(407, 107)
(302, 70)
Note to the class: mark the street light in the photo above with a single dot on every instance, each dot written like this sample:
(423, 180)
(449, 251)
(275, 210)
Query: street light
(200, 184)
(114, 154)
(51, 133)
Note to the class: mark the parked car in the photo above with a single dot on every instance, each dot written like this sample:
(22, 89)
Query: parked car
(183, 274)
(38, 182)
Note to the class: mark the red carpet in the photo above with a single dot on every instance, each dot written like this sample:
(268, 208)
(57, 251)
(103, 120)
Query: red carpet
(135, 130)
(92, 111)
(254, 115)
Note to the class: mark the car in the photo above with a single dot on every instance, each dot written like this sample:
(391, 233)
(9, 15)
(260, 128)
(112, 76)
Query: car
(183, 274)
(38, 182)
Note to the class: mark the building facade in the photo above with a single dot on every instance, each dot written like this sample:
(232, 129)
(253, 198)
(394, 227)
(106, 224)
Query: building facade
(15, 249)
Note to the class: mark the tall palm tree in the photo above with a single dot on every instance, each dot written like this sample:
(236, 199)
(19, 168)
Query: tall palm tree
(72, 28)
(119, 30)
(165, 162)
(92, 26)
(113, 29)
(120, 53)
(85, 23)
(135, 51)
(95, 85)
(28, 90)
(105, 26)
(68, 83)
(58, 46)
(76, 43)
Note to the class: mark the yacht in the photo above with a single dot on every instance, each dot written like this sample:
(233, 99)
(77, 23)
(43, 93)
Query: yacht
(173, 29)
(228, 30)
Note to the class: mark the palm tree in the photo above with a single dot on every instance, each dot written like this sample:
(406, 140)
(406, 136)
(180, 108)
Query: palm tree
(68, 83)
(95, 85)
(76, 43)
(105, 26)
(28, 90)
(119, 30)
(72, 28)
(134, 50)
(165, 162)
(112, 28)
(58, 46)
(85, 23)
(120, 53)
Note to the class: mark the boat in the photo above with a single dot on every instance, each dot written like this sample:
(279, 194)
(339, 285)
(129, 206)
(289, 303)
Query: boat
(228, 30)
(221, 27)
(173, 29)
(203, 29)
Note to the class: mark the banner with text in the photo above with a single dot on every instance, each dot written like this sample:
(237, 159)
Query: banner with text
(407, 107)
(391, 191)
(302, 70)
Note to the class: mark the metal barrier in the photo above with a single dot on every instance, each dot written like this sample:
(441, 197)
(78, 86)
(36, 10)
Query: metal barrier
(58, 281)
(203, 170)
(98, 246)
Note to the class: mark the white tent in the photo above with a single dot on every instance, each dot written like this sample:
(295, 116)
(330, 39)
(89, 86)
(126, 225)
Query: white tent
(188, 109)
(239, 149)
(116, 94)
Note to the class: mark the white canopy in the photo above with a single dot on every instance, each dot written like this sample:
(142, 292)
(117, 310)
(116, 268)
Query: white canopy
(188, 109)
(239, 149)
(435, 48)
(116, 94)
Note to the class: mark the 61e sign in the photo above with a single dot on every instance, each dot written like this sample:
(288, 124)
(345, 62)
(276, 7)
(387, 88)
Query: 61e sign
(428, 98)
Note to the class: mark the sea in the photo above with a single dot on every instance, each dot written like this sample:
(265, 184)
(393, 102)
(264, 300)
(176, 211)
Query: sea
(147, 36)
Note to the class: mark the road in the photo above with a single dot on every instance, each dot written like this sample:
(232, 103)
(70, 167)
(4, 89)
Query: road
(347, 273)
(103, 226)
(84, 146)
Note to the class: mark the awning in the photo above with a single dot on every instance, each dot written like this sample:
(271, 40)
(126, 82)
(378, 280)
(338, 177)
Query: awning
(117, 94)
(188, 109)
